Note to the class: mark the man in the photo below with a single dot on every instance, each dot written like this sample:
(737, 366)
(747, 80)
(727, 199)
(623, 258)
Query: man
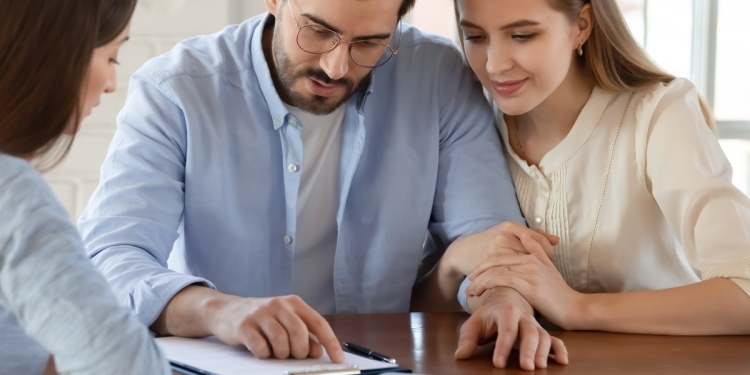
(290, 167)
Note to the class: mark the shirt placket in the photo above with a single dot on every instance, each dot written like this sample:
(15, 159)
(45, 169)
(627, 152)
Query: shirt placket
(539, 221)
(291, 141)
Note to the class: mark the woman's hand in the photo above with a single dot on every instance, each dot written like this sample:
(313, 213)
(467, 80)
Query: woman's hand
(535, 277)
(467, 252)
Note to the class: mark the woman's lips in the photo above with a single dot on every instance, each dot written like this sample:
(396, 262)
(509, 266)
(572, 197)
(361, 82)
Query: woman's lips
(508, 88)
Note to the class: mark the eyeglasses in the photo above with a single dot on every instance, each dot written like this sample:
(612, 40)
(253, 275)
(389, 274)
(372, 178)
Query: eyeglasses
(365, 53)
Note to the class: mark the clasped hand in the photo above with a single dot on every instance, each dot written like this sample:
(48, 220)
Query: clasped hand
(503, 315)
(535, 277)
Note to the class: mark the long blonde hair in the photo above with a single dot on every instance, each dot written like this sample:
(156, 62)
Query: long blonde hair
(612, 56)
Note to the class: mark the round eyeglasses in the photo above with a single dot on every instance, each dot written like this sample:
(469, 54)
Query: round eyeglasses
(319, 40)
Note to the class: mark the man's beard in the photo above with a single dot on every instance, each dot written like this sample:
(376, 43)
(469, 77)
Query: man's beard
(318, 105)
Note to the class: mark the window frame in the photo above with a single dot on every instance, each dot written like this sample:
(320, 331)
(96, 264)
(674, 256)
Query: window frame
(705, 37)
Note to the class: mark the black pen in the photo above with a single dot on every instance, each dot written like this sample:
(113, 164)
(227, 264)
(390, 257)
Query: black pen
(361, 350)
(187, 369)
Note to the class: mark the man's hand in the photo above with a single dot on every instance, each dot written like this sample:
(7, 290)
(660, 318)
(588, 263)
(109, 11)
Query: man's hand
(279, 327)
(505, 317)
(535, 277)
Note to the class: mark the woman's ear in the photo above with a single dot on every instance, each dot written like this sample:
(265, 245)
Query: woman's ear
(273, 6)
(585, 23)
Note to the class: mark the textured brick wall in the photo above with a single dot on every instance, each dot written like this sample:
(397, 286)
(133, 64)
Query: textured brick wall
(157, 26)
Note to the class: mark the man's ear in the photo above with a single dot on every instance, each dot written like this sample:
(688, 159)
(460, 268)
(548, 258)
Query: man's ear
(273, 6)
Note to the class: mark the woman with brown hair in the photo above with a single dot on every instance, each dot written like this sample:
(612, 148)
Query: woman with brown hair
(56, 59)
(617, 159)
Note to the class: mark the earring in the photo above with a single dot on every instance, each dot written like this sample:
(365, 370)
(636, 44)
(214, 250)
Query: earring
(580, 50)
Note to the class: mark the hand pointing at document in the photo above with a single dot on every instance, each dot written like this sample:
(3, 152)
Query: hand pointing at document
(278, 327)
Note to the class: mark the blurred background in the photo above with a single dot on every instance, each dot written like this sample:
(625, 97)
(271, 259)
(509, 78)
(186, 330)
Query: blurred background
(704, 40)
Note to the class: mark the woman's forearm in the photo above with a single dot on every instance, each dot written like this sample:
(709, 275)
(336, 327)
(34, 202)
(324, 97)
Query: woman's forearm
(712, 307)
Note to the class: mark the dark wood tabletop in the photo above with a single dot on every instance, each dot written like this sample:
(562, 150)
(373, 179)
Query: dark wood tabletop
(426, 343)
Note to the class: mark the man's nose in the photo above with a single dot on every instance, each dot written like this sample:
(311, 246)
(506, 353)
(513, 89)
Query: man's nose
(336, 62)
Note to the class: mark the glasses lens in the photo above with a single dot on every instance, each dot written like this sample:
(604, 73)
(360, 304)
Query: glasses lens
(316, 39)
(370, 54)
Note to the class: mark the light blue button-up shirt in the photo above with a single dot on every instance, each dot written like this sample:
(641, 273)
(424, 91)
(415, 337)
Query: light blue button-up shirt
(197, 186)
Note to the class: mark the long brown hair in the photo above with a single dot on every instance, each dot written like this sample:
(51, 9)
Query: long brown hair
(45, 51)
(612, 56)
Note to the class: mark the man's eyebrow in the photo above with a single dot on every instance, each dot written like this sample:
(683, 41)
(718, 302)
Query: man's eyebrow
(124, 40)
(359, 38)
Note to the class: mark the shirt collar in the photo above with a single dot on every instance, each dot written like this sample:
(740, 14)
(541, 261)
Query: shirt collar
(279, 112)
(275, 105)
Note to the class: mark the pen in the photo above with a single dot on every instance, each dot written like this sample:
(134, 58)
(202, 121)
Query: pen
(361, 350)
(187, 369)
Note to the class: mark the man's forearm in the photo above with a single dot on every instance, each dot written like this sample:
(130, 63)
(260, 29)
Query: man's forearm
(188, 313)
(437, 291)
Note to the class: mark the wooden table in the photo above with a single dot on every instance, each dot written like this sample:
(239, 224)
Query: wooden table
(426, 343)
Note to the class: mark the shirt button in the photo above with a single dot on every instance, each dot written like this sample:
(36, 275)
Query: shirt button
(277, 122)
(293, 122)
(287, 240)
(293, 168)
(538, 220)
(544, 188)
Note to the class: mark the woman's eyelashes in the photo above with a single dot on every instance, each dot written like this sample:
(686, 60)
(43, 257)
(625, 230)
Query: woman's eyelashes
(473, 38)
(524, 37)
(518, 37)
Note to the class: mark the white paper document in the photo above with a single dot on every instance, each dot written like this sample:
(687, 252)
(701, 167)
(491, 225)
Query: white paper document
(210, 354)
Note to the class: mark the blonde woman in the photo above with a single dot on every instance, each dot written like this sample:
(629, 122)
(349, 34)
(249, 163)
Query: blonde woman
(618, 159)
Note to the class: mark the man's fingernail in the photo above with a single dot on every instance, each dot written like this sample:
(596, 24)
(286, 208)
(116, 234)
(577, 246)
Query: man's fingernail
(529, 363)
(500, 362)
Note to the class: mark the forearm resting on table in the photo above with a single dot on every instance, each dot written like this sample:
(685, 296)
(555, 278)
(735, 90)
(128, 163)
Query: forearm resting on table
(712, 307)
(187, 313)
(437, 291)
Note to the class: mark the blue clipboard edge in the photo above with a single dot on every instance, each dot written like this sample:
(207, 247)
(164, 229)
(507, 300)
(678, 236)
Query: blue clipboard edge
(393, 369)
(184, 369)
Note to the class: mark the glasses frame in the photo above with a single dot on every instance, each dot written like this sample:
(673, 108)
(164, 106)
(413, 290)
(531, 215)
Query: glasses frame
(351, 44)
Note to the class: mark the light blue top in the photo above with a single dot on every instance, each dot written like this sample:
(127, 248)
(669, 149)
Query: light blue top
(52, 299)
(198, 178)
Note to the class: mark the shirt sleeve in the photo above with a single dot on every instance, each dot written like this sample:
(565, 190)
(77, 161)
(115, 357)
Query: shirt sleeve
(131, 222)
(474, 188)
(691, 180)
(58, 297)
(463, 299)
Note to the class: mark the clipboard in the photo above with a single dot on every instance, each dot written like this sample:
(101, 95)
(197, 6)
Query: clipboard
(183, 369)
(209, 356)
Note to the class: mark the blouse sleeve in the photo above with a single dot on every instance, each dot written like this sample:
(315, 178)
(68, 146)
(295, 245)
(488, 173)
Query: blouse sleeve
(57, 295)
(691, 180)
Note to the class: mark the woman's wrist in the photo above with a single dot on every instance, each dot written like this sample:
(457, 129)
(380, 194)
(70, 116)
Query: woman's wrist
(584, 315)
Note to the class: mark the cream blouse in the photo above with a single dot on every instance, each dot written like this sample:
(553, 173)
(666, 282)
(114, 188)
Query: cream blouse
(640, 194)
